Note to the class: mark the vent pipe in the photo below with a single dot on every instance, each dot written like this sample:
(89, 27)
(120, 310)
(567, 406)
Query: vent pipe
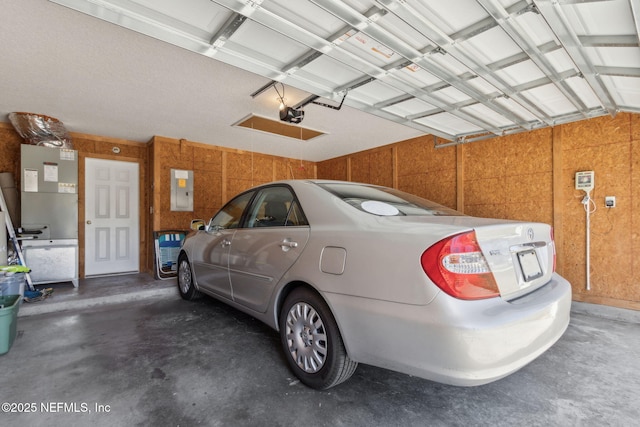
(38, 129)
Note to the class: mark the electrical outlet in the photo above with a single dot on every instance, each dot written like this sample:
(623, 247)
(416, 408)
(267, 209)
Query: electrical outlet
(610, 201)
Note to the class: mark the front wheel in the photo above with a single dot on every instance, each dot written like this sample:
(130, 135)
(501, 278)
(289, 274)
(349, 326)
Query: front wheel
(186, 287)
(312, 343)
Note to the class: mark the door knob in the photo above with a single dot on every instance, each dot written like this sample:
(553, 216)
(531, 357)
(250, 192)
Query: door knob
(89, 222)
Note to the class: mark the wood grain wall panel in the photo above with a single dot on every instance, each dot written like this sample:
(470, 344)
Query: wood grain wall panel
(526, 188)
(163, 183)
(86, 145)
(529, 153)
(381, 167)
(333, 169)
(262, 168)
(150, 204)
(206, 159)
(360, 167)
(413, 155)
(439, 159)
(167, 150)
(413, 184)
(610, 272)
(207, 198)
(238, 165)
(511, 177)
(426, 171)
(207, 181)
(597, 131)
(237, 185)
(178, 155)
(294, 169)
(282, 169)
(611, 240)
(532, 210)
(487, 191)
(10, 147)
(101, 146)
(305, 169)
(634, 206)
(485, 159)
(635, 127)
(177, 221)
(219, 174)
(438, 187)
(441, 187)
(486, 211)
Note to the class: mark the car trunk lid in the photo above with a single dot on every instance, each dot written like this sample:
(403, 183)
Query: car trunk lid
(521, 256)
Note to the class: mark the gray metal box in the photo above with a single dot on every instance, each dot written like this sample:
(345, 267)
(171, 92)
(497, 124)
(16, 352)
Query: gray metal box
(181, 190)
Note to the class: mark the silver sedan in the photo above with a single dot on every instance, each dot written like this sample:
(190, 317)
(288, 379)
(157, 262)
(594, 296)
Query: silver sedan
(353, 273)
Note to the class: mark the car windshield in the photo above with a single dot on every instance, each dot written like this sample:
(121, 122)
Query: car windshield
(384, 201)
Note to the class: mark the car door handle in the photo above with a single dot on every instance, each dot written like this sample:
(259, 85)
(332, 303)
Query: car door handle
(287, 245)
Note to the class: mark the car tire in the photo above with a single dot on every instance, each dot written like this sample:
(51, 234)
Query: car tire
(186, 286)
(311, 341)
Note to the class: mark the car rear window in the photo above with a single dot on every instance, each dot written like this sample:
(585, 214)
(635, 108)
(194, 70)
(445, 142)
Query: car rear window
(385, 201)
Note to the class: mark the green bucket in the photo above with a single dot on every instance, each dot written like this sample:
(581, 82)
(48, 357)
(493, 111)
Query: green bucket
(8, 321)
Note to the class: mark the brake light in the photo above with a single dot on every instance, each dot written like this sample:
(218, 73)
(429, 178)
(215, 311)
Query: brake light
(456, 265)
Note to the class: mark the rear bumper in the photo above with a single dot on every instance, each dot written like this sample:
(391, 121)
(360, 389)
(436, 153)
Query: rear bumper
(452, 341)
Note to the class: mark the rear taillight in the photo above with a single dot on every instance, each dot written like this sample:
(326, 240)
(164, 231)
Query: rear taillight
(456, 265)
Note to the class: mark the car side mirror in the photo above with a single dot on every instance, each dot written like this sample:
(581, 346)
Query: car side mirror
(197, 224)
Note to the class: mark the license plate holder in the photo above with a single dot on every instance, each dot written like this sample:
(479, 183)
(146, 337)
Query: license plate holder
(529, 265)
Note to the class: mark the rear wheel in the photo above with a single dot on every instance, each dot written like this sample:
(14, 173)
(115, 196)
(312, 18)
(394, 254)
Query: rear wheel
(311, 340)
(186, 287)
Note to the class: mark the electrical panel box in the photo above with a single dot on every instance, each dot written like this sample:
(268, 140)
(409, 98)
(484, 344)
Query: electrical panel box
(181, 190)
(585, 180)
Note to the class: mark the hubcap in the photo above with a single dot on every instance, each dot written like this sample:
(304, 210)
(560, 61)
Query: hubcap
(184, 276)
(306, 337)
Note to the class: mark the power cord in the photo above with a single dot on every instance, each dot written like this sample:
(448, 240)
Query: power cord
(588, 203)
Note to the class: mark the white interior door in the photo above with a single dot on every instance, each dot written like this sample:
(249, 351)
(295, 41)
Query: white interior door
(112, 236)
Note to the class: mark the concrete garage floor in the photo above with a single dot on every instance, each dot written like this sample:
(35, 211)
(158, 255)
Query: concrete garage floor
(131, 352)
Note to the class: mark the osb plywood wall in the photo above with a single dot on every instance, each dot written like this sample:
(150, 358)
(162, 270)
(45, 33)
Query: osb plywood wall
(87, 146)
(530, 176)
(413, 166)
(510, 177)
(427, 172)
(611, 148)
(218, 173)
(10, 148)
